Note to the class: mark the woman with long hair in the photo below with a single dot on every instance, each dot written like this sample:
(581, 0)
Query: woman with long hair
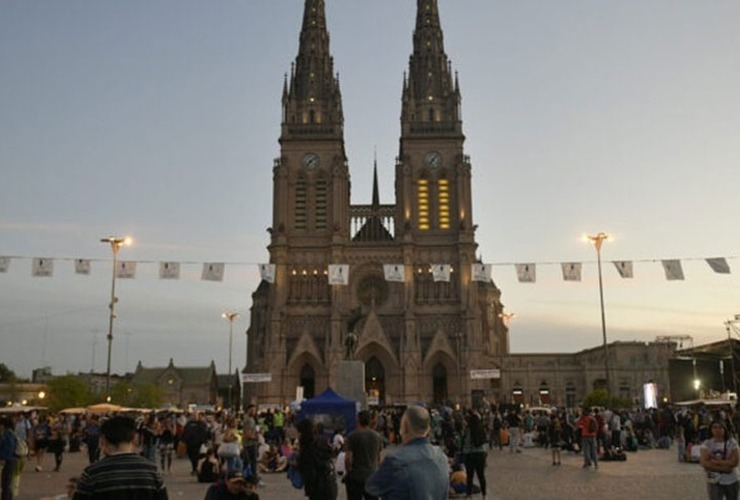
(719, 457)
(315, 463)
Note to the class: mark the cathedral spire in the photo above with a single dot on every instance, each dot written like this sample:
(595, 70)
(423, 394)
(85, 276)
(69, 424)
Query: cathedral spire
(313, 103)
(431, 96)
(376, 193)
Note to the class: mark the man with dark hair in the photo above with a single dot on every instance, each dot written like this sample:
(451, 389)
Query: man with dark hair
(417, 470)
(122, 474)
(250, 439)
(361, 457)
(194, 435)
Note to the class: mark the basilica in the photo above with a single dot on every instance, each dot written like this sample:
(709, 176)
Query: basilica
(420, 333)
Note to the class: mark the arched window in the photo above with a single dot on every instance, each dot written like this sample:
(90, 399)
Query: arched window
(439, 383)
(375, 379)
(301, 204)
(308, 381)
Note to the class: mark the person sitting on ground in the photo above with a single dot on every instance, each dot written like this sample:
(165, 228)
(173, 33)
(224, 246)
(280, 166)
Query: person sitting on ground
(272, 461)
(208, 468)
(250, 487)
(458, 480)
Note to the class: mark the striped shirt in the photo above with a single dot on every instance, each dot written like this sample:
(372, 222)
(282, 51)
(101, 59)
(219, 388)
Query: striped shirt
(125, 476)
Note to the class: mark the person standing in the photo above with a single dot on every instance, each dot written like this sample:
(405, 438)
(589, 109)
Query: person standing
(8, 444)
(417, 470)
(250, 439)
(474, 451)
(166, 445)
(315, 463)
(121, 473)
(589, 429)
(194, 436)
(91, 438)
(719, 457)
(361, 457)
(514, 421)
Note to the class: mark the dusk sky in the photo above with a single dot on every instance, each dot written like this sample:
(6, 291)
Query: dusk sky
(160, 119)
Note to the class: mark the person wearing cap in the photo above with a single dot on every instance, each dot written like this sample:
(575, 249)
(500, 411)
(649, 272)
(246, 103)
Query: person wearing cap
(232, 487)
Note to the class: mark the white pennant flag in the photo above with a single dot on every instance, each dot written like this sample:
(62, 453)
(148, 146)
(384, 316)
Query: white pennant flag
(527, 273)
(481, 272)
(672, 269)
(571, 271)
(338, 274)
(624, 268)
(169, 270)
(267, 272)
(394, 272)
(82, 266)
(719, 265)
(212, 271)
(4, 264)
(441, 272)
(42, 268)
(126, 269)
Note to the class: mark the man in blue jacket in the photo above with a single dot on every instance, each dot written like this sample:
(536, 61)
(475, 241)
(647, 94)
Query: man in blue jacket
(8, 458)
(417, 470)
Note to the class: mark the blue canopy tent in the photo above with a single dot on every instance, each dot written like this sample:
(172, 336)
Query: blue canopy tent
(331, 411)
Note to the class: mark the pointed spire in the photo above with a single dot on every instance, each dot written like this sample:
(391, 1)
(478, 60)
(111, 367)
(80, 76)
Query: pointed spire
(313, 105)
(376, 193)
(431, 99)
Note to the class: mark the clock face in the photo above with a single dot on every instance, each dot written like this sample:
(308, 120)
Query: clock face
(310, 161)
(433, 159)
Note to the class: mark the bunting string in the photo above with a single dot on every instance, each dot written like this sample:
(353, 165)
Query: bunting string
(338, 273)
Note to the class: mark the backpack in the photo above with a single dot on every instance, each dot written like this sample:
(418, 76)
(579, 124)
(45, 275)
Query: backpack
(592, 425)
(21, 447)
(294, 475)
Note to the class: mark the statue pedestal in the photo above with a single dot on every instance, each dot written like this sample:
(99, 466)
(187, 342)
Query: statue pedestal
(350, 382)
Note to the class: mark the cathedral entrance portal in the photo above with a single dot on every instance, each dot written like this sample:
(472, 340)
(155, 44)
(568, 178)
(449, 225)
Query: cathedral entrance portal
(375, 381)
(308, 381)
(439, 383)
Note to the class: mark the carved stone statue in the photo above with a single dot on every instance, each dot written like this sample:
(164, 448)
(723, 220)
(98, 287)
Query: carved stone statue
(350, 345)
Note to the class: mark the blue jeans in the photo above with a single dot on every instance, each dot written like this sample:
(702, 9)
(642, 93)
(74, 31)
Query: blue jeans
(589, 451)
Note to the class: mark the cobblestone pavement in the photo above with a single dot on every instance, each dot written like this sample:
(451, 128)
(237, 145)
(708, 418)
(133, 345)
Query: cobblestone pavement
(654, 474)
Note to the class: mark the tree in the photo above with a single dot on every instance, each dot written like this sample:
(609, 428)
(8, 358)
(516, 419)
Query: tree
(6, 374)
(137, 396)
(68, 391)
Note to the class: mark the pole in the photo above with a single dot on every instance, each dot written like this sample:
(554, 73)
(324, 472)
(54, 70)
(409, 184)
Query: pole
(231, 377)
(230, 316)
(603, 324)
(111, 317)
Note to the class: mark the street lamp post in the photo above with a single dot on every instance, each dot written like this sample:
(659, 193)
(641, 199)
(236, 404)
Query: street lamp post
(597, 241)
(506, 318)
(115, 244)
(230, 316)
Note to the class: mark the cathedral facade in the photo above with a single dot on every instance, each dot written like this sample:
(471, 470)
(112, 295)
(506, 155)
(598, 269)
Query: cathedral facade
(418, 338)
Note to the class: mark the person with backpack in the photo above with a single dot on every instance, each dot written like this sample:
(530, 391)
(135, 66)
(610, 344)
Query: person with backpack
(8, 456)
(589, 430)
(474, 451)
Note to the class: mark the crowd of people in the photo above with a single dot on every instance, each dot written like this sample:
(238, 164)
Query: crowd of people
(448, 448)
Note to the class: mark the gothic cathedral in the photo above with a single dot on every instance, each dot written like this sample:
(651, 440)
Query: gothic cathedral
(418, 338)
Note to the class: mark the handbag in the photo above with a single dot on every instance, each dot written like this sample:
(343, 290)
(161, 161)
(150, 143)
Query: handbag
(228, 450)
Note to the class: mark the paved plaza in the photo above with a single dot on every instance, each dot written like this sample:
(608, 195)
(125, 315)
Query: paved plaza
(654, 474)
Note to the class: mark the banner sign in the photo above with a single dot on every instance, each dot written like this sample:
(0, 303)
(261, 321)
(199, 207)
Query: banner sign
(248, 378)
(480, 374)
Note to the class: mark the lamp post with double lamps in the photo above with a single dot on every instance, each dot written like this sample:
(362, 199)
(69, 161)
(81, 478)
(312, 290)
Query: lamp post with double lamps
(597, 240)
(115, 243)
(230, 316)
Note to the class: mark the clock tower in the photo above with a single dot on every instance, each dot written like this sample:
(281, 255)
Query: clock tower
(418, 337)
